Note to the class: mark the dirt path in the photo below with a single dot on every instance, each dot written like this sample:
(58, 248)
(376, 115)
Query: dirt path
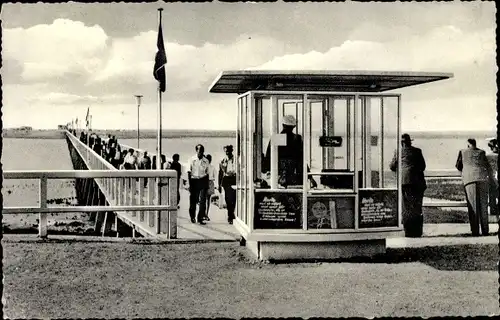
(109, 280)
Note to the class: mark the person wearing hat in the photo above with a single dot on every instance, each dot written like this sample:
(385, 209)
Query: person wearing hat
(227, 178)
(290, 156)
(476, 174)
(413, 185)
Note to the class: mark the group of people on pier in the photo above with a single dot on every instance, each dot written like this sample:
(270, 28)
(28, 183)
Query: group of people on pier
(201, 183)
(201, 179)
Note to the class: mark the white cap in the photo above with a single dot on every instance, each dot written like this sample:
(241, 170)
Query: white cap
(289, 120)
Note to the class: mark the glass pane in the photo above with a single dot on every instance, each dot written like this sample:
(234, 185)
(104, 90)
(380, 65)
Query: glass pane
(390, 107)
(265, 142)
(330, 212)
(245, 159)
(250, 164)
(288, 144)
(375, 141)
(239, 194)
(331, 142)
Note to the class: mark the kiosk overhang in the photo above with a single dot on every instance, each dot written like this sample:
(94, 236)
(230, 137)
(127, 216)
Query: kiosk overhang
(320, 81)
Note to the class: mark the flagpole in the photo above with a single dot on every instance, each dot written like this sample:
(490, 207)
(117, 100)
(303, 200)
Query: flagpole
(158, 157)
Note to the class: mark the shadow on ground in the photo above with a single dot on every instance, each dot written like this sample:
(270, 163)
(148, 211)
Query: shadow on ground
(469, 257)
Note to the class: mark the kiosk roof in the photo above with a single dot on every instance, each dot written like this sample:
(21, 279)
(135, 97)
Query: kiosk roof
(338, 81)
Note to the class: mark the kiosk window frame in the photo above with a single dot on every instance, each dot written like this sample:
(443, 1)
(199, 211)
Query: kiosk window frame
(251, 128)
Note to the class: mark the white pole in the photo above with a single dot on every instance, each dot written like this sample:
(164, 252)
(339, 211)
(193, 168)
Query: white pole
(138, 97)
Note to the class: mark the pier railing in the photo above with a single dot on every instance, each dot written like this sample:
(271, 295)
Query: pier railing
(135, 188)
(444, 175)
(119, 194)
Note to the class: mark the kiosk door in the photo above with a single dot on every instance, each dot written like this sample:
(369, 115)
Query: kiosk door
(378, 192)
(331, 202)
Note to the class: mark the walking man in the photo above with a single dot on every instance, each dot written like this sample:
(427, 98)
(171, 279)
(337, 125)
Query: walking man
(227, 178)
(476, 174)
(413, 185)
(198, 184)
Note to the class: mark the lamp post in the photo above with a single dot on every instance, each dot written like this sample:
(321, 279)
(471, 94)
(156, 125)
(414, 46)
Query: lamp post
(138, 98)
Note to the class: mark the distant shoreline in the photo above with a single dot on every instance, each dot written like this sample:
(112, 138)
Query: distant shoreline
(152, 134)
(120, 134)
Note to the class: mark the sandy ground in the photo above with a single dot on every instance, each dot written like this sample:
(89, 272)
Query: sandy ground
(109, 280)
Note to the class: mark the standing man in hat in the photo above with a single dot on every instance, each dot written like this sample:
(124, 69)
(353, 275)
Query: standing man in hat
(476, 174)
(227, 178)
(290, 157)
(413, 184)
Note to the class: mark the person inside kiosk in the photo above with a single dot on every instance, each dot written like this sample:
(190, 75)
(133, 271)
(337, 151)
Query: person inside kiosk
(290, 157)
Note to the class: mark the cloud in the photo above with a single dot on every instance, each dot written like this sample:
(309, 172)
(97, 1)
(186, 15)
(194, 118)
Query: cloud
(189, 68)
(443, 48)
(70, 65)
(63, 48)
(62, 98)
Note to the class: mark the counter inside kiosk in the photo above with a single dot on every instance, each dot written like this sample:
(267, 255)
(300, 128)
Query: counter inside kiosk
(313, 154)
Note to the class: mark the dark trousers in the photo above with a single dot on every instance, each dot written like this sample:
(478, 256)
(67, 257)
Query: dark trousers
(413, 220)
(492, 199)
(198, 192)
(230, 196)
(477, 203)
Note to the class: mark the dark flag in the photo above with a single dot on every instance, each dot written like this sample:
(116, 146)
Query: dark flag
(160, 62)
(87, 118)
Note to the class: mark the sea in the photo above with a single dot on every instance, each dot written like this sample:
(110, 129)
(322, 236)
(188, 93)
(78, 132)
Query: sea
(52, 154)
(48, 154)
(439, 153)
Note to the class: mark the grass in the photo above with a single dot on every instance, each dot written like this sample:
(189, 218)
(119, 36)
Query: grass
(445, 189)
(110, 280)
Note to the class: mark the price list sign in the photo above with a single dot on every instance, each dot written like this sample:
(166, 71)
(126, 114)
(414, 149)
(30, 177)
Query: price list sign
(278, 210)
(378, 208)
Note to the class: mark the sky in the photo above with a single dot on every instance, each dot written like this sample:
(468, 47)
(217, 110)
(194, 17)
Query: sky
(61, 59)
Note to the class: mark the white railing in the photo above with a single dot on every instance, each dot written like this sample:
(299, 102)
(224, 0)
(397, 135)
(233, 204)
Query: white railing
(159, 189)
(112, 182)
(444, 175)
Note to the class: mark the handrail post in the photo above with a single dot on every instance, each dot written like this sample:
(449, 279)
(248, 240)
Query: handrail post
(160, 199)
(172, 214)
(42, 217)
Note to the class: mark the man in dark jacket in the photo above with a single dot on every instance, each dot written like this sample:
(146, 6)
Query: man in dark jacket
(176, 165)
(290, 156)
(413, 185)
(476, 174)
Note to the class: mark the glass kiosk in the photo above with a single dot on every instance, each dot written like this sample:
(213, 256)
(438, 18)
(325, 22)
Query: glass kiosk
(313, 152)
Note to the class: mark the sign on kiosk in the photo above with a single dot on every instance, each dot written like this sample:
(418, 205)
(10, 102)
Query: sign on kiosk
(274, 210)
(378, 208)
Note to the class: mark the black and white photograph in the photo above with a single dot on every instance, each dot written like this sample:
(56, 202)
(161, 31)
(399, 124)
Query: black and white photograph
(249, 159)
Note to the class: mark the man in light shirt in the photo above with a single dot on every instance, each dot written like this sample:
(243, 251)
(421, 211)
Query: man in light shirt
(476, 174)
(198, 184)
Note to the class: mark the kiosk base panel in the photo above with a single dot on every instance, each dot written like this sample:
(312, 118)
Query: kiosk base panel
(315, 250)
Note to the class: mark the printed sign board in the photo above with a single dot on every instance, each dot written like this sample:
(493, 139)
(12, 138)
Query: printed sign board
(378, 208)
(330, 212)
(330, 141)
(275, 210)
